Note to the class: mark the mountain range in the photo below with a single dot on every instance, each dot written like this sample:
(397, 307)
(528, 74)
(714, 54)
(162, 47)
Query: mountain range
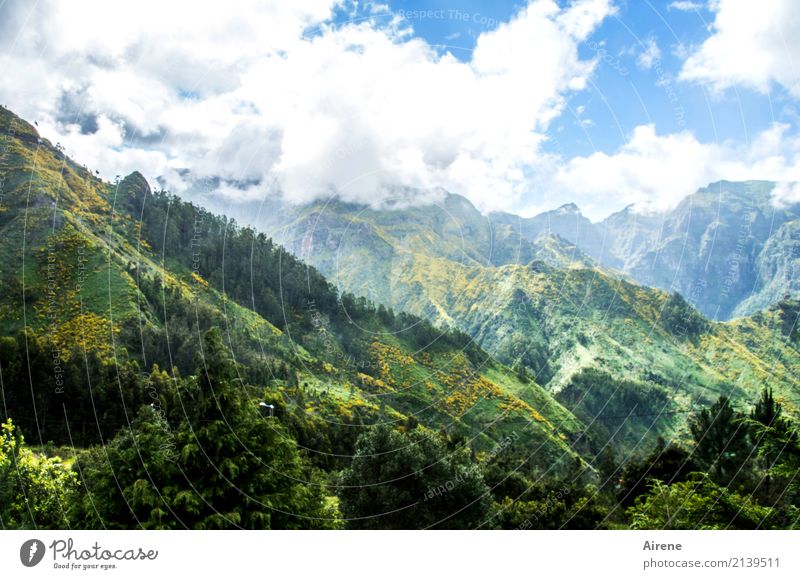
(528, 345)
(566, 334)
(118, 270)
(726, 248)
(561, 297)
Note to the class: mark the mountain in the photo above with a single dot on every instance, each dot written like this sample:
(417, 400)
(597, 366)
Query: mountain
(630, 235)
(95, 275)
(719, 247)
(163, 367)
(567, 223)
(727, 248)
(556, 313)
(339, 236)
(777, 269)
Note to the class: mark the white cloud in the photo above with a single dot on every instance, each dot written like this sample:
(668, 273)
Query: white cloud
(685, 6)
(242, 96)
(649, 55)
(786, 194)
(155, 79)
(239, 92)
(105, 147)
(655, 172)
(752, 44)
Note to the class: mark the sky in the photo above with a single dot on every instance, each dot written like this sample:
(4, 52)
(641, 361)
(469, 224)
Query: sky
(519, 106)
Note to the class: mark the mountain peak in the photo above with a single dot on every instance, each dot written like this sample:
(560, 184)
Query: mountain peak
(459, 203)
(136, 180)
(134, 187)
(569, 208)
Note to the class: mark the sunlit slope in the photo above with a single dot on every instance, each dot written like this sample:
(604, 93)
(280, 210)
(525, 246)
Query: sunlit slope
(118, 269)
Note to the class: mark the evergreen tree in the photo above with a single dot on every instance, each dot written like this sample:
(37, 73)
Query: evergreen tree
(778, 447)
(722, 444)
(767, 410)
(667, 463)
(222, 465)
(411, 481)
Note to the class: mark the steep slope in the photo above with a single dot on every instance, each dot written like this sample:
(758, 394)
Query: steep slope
(777, 270)
(117, 270)
(629, 236)
(726, 248)
(708, 248)
(568, 223)
(339, 237)
(557, 321)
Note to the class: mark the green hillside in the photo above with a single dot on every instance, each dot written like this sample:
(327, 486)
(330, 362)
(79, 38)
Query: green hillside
(114, 269)
(556, 316)
(162, 367)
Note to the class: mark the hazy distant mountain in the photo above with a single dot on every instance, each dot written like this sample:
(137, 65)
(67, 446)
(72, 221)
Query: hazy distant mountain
(535, 300)
(726, 248)
(566, 222)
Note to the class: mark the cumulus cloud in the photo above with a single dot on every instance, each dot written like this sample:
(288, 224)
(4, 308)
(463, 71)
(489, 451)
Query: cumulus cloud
(654, 172)
(649, 55)
(273, 97)
(158, 79)
(785, 194)
(753, 44)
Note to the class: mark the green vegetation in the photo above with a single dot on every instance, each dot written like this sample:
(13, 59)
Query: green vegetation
(680, 319)
(627, 360)
(35, 490)
(412, 480)
(696, 503)
(722, 444)
(220, 466)
(172, 369)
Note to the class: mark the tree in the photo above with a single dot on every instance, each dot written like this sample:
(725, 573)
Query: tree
(789, 314)
(522, 372)
(767, 424)
(207, 461)
(665, 463)
(778, 446)
(569, 505)
(411, 481)
(722, 443)
(35, 490)
(680, 319)
(767, 410)
(696, 503)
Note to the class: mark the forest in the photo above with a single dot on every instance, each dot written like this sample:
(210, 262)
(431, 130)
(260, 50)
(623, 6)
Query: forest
(169, 451)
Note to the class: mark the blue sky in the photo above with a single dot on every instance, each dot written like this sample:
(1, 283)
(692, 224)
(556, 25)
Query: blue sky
(520, 106)
(622, 94)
